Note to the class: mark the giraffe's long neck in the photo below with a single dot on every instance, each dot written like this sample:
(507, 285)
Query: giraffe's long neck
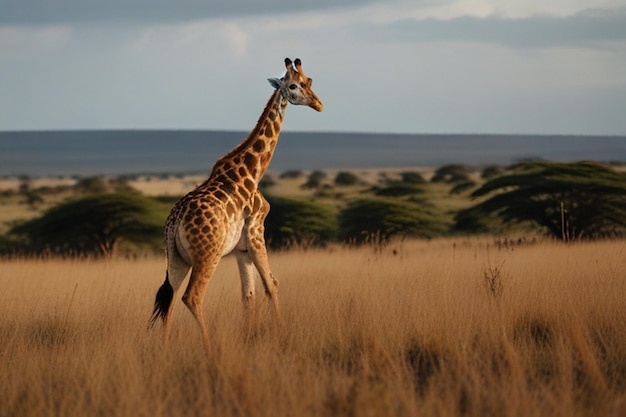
(251, 158)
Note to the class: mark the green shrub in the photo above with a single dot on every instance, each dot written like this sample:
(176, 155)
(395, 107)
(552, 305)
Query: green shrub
(299, 222)
(315, 179)
(412, 177)
(450, 174)
(387, 218)
(491, 172)
(463, 186)
(398, 190)
(266, 182)
(346, 178)
(291, 174)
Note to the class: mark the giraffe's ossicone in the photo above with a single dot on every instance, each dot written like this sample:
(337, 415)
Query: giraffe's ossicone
(226, 213)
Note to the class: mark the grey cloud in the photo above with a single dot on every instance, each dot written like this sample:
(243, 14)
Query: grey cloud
(31, 12)
(533, 32)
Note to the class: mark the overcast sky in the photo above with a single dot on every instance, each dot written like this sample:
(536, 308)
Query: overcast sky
(432, 66)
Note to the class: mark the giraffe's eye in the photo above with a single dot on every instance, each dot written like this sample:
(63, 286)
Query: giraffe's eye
(293, 87)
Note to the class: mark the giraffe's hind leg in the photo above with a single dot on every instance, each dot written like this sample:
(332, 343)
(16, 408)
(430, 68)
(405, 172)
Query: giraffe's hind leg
(194, 295)
(177, 270)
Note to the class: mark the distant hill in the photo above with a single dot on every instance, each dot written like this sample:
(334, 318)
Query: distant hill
(115, 152)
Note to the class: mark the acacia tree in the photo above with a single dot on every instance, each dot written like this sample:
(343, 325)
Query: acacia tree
(572, 201)
(91, 225)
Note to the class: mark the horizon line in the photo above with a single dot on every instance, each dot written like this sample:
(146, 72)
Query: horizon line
(332, 132)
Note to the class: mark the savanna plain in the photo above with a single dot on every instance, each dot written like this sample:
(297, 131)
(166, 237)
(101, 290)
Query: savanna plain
(444, 327)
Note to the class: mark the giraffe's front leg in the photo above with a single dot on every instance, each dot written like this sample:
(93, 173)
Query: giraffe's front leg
(255, 241)
(259, 257)
(246, 273)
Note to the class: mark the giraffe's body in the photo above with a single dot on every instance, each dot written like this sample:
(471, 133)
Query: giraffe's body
(226, 213)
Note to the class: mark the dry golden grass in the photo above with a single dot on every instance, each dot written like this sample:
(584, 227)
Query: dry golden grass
(439, 328)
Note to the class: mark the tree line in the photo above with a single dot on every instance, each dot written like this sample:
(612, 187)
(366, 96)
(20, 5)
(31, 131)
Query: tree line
(568, 201)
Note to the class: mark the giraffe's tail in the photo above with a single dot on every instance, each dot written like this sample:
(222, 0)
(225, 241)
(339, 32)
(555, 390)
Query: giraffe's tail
(162, 301)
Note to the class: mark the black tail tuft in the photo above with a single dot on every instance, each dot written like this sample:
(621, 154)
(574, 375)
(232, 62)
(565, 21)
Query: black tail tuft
(162, 301)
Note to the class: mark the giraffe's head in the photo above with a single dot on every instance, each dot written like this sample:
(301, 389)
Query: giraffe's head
(296, 87)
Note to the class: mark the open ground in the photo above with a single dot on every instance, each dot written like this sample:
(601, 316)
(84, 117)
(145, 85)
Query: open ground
(443, 327)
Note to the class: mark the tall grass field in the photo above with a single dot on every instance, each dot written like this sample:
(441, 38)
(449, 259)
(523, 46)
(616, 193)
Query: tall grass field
(439, 328)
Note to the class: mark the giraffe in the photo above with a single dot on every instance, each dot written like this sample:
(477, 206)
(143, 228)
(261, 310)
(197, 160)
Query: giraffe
(226, 213)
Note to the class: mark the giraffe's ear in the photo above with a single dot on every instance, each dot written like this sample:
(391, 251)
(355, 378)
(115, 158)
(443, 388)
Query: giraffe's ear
(275, 82)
